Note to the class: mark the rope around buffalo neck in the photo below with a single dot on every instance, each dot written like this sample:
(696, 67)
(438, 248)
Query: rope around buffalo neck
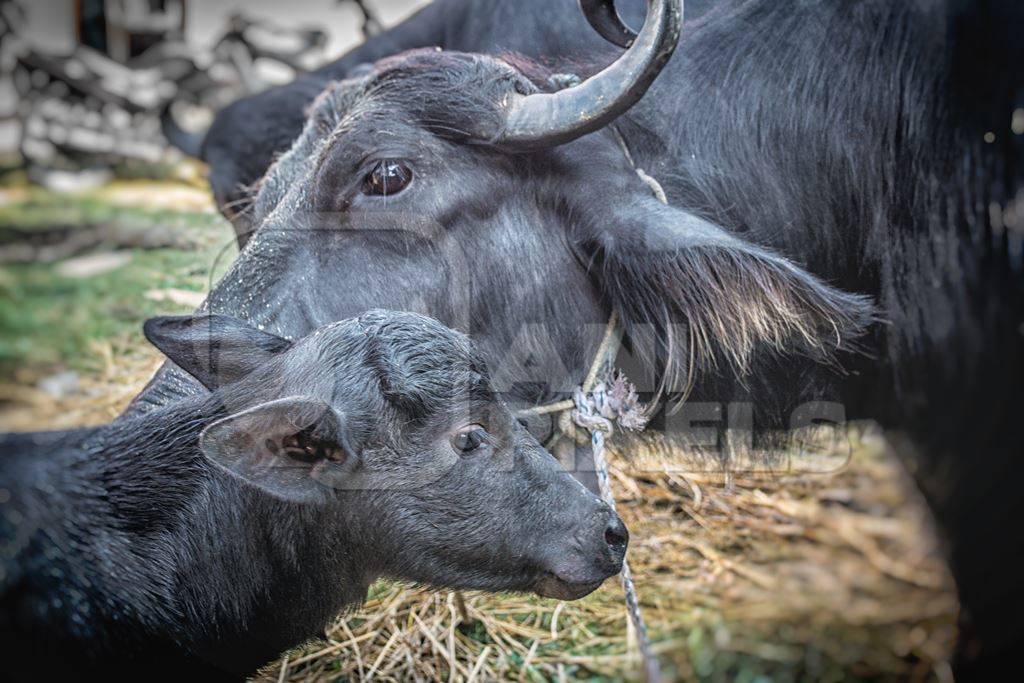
(595, 407)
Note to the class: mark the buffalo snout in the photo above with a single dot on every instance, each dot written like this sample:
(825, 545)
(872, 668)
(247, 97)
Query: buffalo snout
(577, 566)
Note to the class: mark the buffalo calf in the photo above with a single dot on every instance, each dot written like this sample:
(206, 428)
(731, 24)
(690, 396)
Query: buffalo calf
(209, 536)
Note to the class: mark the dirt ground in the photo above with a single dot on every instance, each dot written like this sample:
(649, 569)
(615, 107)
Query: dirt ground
(745, 577)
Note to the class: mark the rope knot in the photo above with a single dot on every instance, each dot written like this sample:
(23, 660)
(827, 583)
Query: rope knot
(609, 403)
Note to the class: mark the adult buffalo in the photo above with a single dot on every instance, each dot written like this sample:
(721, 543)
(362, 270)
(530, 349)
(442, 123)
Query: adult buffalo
(839, 177)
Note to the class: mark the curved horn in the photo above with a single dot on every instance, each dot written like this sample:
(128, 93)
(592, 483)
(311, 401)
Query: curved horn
(548, 119)
(606, 21)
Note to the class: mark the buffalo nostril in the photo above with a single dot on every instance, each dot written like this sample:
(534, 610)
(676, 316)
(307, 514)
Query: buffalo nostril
(615, 534)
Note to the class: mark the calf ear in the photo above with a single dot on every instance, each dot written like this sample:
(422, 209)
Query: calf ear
(695, 296)
(294, 448)
(215, 349)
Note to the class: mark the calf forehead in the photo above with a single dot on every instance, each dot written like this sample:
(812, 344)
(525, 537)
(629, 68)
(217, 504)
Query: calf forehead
(410, 349)
(413, 359)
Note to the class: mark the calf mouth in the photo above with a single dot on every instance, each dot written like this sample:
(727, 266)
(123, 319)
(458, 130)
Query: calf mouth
(549, 585)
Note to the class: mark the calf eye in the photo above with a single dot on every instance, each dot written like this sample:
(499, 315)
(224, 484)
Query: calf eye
(468, 439)
(387, 178)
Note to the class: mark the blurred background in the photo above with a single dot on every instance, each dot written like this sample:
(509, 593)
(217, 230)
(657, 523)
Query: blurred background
(85, 81)
(743, 577)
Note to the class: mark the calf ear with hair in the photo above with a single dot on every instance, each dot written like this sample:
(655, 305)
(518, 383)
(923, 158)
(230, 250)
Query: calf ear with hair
(215, 349)
(294, 449)
(693, 297)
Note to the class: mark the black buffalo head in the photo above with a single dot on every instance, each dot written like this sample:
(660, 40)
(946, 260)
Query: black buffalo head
(386, 201)
(386, 430)
(416, 185)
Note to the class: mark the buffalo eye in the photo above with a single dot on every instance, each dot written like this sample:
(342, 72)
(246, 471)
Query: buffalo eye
(388, 177)
(469, 439)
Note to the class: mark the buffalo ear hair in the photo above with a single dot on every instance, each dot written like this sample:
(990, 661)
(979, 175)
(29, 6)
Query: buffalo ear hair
(215, 349)
(702, 299)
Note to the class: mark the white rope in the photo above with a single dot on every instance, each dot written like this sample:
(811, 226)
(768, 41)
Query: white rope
(597, 411)
(655, 186)
(600, 402)
(656, 189)
(652, 670)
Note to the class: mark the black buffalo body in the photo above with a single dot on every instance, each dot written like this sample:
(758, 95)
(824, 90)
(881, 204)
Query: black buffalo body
(845, 186)
(205, 538)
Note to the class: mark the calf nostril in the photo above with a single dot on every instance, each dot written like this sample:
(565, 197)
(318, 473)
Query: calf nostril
(615, 534)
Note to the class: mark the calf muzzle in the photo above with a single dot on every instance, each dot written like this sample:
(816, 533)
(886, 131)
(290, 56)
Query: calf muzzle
(586, 563)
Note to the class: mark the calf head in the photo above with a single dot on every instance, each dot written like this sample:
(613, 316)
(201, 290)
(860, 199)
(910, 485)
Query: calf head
(387, 424)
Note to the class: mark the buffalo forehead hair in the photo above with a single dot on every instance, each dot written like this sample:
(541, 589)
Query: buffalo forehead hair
(452, 94)
(423, 368)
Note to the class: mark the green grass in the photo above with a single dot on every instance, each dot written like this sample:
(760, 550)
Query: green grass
(48, 321)
(43, 209)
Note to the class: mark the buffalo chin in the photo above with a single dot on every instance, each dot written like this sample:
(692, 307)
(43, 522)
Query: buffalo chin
(550, 586)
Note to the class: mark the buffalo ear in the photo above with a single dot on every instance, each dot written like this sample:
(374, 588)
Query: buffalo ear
(294, 448)
(693, 293)
(215, 349)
